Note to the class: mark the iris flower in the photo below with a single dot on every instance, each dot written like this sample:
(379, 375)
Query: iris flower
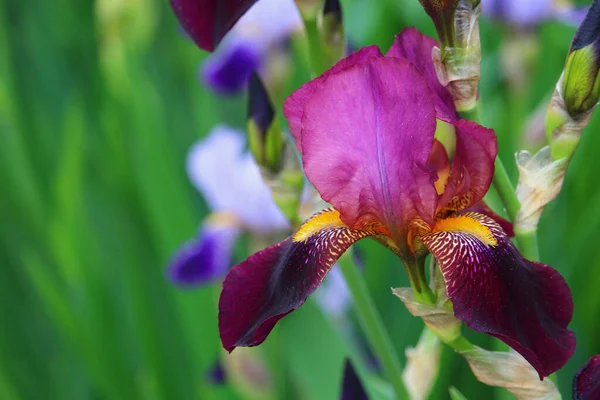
(365, 130)
(230, 181)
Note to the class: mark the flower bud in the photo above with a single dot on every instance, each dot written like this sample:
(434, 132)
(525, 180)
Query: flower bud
(442, 13)
(422, 366)
(457, 62)
(264, 131)
(439, 318)
(540, 181)
(581, 83)
(510, 371)
(279, 165)
(332, 32)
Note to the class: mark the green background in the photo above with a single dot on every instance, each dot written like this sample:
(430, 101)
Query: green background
(99, 103)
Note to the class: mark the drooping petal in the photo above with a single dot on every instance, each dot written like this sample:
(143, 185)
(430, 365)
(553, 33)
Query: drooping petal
(274, 282)
(494, 290)
(586, 385)
(472, 166)
(228, 70)
(352, 388)
(207, 21)
(230, 181)
(416, 47)
(207, 258)
(366, 138)
(293, 108)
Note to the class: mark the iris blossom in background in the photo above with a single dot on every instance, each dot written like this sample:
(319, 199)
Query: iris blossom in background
(586, 384)
(529, 13)
(247, 43)
(230, 181)
(365, 130)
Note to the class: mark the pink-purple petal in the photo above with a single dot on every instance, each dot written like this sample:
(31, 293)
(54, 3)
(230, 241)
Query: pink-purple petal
(207, 21)
(367, 132)
(586, 385)
(293, 107)
(472, 166)
(274, 282)
(494, 290)
(416, 47)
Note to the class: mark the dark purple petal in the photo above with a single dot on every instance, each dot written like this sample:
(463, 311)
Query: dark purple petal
(228, 70)
(207, 21)
(205, 259)
(274, 282)
(367, 132)
(494, 290)
(293, 107)
(416, 47)
(586, 385)
(352, 388)
(472, 166)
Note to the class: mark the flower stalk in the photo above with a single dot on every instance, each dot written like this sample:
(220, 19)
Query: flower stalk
(372, 324)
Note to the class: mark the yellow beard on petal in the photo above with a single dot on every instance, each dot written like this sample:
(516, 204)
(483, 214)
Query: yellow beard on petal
(329, 218)
(463, 223)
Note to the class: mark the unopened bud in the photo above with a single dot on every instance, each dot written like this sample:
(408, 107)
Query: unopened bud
(279, 165)
(439, 317)
(581, 83)
(510, 371)
(422, 366)
(442, 14)
(332, 32)
(457, 62)
(540, 181)
(264, 131)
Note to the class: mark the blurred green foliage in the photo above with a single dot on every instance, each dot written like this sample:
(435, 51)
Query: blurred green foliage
(99, 102)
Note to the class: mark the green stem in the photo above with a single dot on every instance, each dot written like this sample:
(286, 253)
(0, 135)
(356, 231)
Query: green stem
(315, 47)
(505, 189)
(528, 243)
(372, 324)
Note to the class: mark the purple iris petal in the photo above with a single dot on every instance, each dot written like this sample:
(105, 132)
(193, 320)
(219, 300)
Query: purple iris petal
(371, 166)
(494, 290)
(352, 388)
(228, 70)
(586, 385)
(230, 181)
(277, 280)
(205, 259)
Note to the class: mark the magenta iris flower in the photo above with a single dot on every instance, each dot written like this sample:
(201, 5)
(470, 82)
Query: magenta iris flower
(586, 385)
(365, 130)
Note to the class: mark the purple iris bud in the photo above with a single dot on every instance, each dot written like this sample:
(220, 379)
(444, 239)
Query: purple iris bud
(528, 13)
(247, 46)
(204, 259)
(352, 388)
